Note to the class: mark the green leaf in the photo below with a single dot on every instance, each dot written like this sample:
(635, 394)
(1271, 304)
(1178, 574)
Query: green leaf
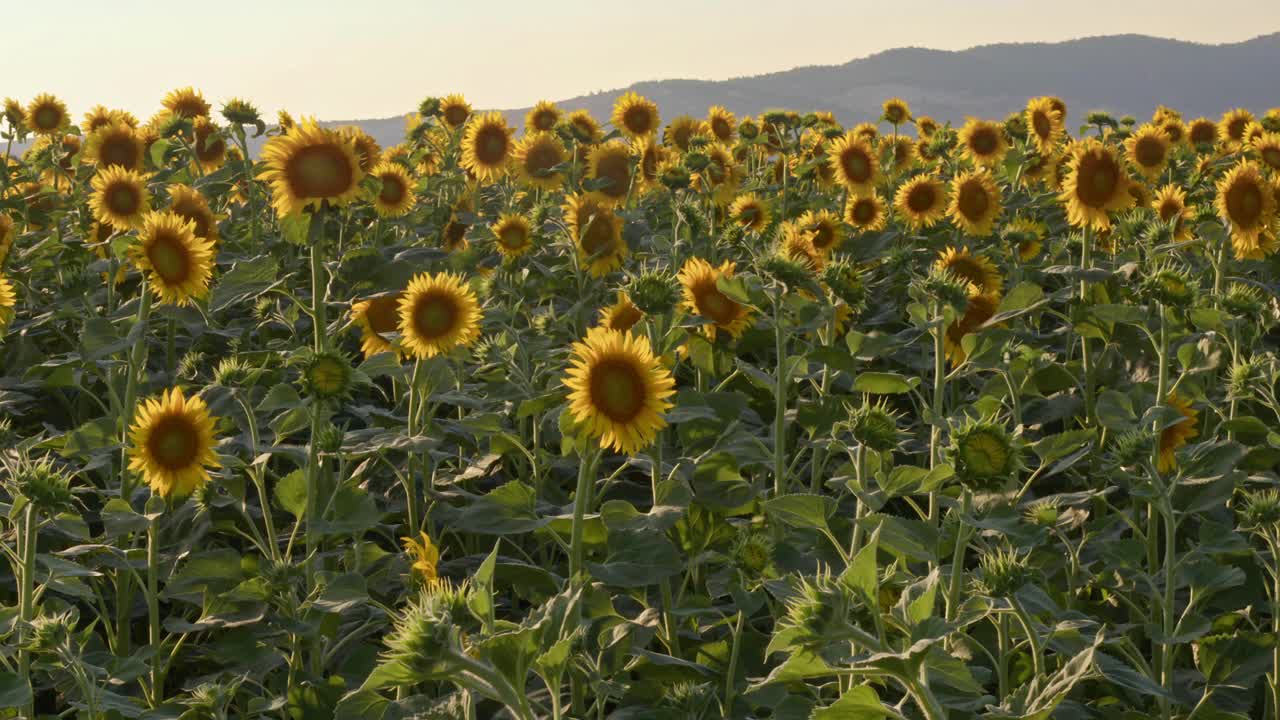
(506, 509)
(882, 383)
(14, 690)
(291, 493)
(280, 397)
(801, 510)
(343, 593)
(863, 573)
(860, 703)
(911, 539)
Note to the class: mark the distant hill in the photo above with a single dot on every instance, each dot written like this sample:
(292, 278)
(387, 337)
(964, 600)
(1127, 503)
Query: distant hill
(1125, 74)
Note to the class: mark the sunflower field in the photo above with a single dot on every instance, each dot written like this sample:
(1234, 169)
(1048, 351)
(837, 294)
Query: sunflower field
(727, 417)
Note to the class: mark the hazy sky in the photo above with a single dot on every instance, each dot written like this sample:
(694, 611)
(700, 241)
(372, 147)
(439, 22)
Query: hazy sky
(338, 59)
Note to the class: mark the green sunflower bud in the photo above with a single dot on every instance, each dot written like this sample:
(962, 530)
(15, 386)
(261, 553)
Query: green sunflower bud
(985, 454)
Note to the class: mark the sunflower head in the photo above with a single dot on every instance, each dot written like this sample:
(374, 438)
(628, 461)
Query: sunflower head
(703, 297)
(1045, 125)
(309, 165)
(855, 163)
(438, 313)
(326, 375)
(1176, 435)
(753, 553)
(875, 426)
(609, 170)
(1096, 185)
(975, 203)
(172, 443)
(1244, 301)
(486, 147)
(542, 117)
(1148, 150)
(750, 212)
(978, 270)
(454, 110)
(618, 389)
(120, 197)
(46, 115)
(187, 102)
(395, 195)
(1260, 510)
(425, 557)
(1043, 513)
(819, 611)
(1232, 127)
(14, 114)
(1247, 202)
(177, 263)
(1003, 572)
(42, 483)
(8, 300)
(983, 142)
(537, 159)
(622, 315)
(921, 201)
(654, 292)
(895, 111)
(985, 453)
(635, 115)
(721, 123)
(513, 235)
(116, 145)
(867, 213)
(1169, 284)
(596, 232)
(241, 112)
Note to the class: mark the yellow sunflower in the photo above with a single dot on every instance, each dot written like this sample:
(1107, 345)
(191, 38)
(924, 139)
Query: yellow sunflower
(368, 151)
(618, 389)
(542, 117)
(650, 157)
(1202, 131)
(395, 190)
(438, 313)
(921, 201)
(1046, 125)
(724, 173)
(486, 147)
(99, 117)
(1176, 435)
(902, 152)
(975, 202)
(308, 165)
(698, 279)
(609, 164)
(120, 197)
(536, 156)
(6, 237)
(926, 127)
(1170, 205)
(189, 204)
(796, 245)
(977, 270)
(1232, 127)
(856, 165)
(454, 110)
(1267, 148)
(425, 556)
(46, 115)
(824, 231)
(635, 115)
(722, 124)
(172, 443)
(622, 315)
(1096, 185)
(116, 144)
(983, 142)
(512, 235)
(866, 212)
(586, 130)
(895, 111)
(377, 318)
(8, 301)
(1246, 202)
(596, 233)
(1031, 238)
(680, 131)
(177, 263)
(750, 212)
(867, 131)
(210, 146)
(1148, 150)
(978, 311)
(187, 102)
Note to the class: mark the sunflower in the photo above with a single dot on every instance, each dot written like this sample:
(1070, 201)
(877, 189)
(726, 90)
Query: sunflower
(823, 229)
(926, 127)
(1046, 125)
(698, 278)
(1030, 236)
(1096, 185)
(902, 151)
(120, 197)
(6, 237)
(622, 315)
(46, 115)
(895, 111)
(189, 204)
(377, 317)
(1176, 435)
(187, 102)
(537, 156)
(609, 165)
(454, 233)
(425, 556)
(438, 313)
(635, 115)
(867, 131)
(975, 202)
(512, 235)
(722, 123)
(597, 234)
(368, 151)
(542, 117)
(115, 144)
(650, 159)
(99, 117)
(8, 300)
(1232, 127)
(796, 244)
(15, 114)
(922, 201)
(1170, 205)
(1202, 131)
(977, 270)
(178, 263)
(586, 131)
(983, 142)
(210, 147)
(1148, 150)
(1267, 147)
(977, 312)
(866, 212)
(618, 389)
(682, 130)
(724, 173)
(856, 165)
(172, 443)
(750, 212)
(308, 165)
(1245, 200)
(284, 120)
(395, 191)
(454, 110)
(486, 146)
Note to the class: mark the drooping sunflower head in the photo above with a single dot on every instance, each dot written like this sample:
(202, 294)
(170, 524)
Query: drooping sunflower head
(975, 202)
(177, 263)
(513, 235)
(1148, 150)
(635, 115)
(190, 204)
(985, 453)
(486, 147)
(542, 117)
(537, 157)
(750, 212)
(120, 197)
(46, 115)
(866, 212)
(609, 165)
(1096, 185)
(699, 279)
(856, 164)
(187, 102)
(622, 315)
(438, 313)
(395, 196)
(454, 110)
(921, 201)
(618, 389)
(895, 111)
(1176, 435)
(983, 142)
(1026, 235)
(1246, 201)
(172, 443)
(378, 318)
(210, 145)
(596, 233)
(1232, 127)
(115, 144)
(721, 123)
(309, 165)
(1045, 125)
(14, 114)
(239, 111)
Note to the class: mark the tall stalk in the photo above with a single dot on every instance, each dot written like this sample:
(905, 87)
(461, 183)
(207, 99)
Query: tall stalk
(581, 500)
(26, 594)
(1086, 360)
(780, 400)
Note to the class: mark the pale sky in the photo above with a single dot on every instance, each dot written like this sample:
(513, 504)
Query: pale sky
(338, 59)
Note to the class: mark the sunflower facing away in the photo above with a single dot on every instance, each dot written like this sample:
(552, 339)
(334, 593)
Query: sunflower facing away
(189, 204)
(635, 115)
(120, 197)
(921, 201)
(586, 130)
(622, 315)
(596, 233)
(438, 313)
(975, 202)
(610, 165)
(542, 117)
(537, 156)
(1177, 435)
(618, 389)
(116, 144)
(377, 318)
(977, 270)
(1096, 186)
(172, 443)
(750, 212)
(177, 263)
(1148, 150)
(856, 165)
(983, 142)
(512, 235)
(486, 146)
(46, 115)
(701, 296)
(308, 165)
(395, 190)
(1246, 201)
(1045, 124)
(867, 213)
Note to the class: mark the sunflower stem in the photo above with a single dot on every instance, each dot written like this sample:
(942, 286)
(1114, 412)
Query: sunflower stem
(957, 558)
(153, 607)
(315, 237)
(581, 499)
(137, 362)
(780, 401)
(1086, 361)
(26, 596)
(939, 400)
